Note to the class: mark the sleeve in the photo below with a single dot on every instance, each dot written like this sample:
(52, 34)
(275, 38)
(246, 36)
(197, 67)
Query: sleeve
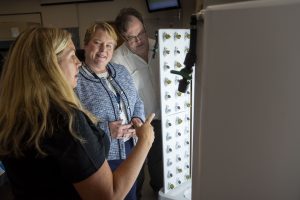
(139, 108)
(80, 159)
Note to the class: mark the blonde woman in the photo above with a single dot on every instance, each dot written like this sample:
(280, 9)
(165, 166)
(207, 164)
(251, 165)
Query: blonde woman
(107, 90)
(49, 145)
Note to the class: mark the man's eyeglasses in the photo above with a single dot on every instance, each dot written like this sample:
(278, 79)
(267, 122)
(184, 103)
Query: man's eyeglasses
(133, 39)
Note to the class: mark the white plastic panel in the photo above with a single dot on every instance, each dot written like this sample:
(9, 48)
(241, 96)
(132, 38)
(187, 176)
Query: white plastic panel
(176, 108)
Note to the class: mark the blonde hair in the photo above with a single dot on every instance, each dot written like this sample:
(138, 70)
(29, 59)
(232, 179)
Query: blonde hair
(103, 26)
(32, 82)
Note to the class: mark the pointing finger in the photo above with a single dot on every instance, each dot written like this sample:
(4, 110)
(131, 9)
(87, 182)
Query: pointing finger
(149, 118)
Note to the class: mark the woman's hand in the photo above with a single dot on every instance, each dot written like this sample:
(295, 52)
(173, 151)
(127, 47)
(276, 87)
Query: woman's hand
(136, 122)
(145, 131)
(119, 130)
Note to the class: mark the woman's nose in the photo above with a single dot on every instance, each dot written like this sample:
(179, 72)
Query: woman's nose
(78, 62)
(102, 47)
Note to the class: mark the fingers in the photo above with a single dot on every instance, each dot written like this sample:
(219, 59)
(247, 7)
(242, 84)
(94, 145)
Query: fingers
(119, 130)
(131, 132)
(150, 118)
(125, 126)
(116, 123)
(124, 130)
(137, 122)
(127, 133)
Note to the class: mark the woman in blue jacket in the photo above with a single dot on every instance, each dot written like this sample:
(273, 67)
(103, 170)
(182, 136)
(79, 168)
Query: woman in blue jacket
(107, 90)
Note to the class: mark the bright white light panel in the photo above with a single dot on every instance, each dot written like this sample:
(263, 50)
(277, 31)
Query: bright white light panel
(176, 108)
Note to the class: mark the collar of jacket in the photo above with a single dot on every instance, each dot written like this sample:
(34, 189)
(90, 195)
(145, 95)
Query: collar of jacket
(110, 69)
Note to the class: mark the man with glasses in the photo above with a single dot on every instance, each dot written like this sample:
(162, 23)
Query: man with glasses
(136, 54)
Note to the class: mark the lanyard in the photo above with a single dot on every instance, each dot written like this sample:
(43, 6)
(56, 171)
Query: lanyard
(118, 98)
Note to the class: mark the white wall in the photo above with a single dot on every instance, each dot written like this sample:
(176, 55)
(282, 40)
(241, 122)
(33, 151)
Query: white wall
(246, 133)
(82, 15)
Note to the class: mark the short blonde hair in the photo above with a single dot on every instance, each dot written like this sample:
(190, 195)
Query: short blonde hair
(103, 26)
